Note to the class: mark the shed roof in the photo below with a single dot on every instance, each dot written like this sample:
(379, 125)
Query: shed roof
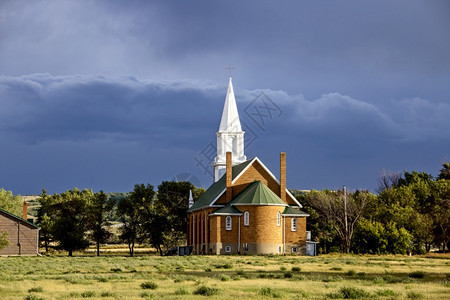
(290, 211)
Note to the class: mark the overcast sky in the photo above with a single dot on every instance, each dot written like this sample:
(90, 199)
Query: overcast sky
(108, 94)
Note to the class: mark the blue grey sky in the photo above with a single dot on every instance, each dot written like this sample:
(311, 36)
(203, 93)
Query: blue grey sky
(107, 94)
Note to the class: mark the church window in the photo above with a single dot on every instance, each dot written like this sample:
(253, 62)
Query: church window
(294, 224)
(227, 249)
(246, 218)
(278, 218)
(294, 249)
(228, 223)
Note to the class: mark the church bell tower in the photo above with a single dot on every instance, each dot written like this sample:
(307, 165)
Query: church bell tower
(230, 137)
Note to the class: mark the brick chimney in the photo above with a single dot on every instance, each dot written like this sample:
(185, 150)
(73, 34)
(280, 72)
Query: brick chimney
(25, 210)
(283, 176)
(229, 178)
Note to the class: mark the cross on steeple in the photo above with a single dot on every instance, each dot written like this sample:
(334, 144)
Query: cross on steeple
(229, 68)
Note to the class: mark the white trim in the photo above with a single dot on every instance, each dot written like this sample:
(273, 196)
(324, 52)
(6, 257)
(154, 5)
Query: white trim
(294, 228)
(217, 198)
(225, 214)
(239, 235)
(296, 215)
(226, 223)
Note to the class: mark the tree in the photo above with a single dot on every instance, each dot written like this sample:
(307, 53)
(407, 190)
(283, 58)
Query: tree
(10, 203)
(3, 239)
(342, 210)
(99, 211)
(445, 171)
(134, 212)
(65, 218)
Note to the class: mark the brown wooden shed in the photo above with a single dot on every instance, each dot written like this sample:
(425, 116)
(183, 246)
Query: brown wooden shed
(23, 236)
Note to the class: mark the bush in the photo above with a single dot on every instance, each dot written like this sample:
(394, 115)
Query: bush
(414, 295)
(351, 273)
(288, 275)
(87, 294)
(36, 290)
(417, 274)
(296, 269)
(182, 291)
(270, 292)
(336, 269)
(149, 285)
(386, 293)
(107, 294)
(206, 291)
(349, 293)
(225, 278)
(32, 297)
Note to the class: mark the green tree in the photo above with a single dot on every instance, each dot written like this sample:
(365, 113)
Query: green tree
(445, 171)
(135, 212)
(342, 210)
(99, 211)
(65, 218)
(3, 239)
(10, 203)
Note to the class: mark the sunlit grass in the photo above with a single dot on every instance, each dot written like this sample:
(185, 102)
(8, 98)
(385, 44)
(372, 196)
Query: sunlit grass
(227, 277)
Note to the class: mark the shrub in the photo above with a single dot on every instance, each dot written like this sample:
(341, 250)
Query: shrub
(182, 291)
(349, 293)
(107, 294)
(208, 270)
(87, 294)
(225, 278)
(206, 291)
(117, 270)
(283, 268)
(240, 273)
(296, 269)
(351, 273)
(32, 297)
(288, 275)
(414, 295)
(267, 291)
(417, 274)
(149, 285)
(336, 269)
(386, 293)
(36, 290)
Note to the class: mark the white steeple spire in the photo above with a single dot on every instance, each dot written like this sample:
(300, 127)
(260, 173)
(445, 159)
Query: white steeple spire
(191, 199)
(230, 136)
(230, 116)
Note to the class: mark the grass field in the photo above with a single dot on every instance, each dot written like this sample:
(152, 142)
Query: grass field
(226, 277)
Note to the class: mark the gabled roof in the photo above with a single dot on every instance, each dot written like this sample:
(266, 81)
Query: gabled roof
(18, 218)
(218, 188)
(226, 211)
(257, 193)
(289, 211)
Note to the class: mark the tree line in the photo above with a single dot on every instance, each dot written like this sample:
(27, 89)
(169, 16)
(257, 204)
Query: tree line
(410, 214)
(76, 218)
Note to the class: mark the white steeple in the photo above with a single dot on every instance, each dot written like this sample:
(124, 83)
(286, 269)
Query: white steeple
(230, 136)
(230, 116)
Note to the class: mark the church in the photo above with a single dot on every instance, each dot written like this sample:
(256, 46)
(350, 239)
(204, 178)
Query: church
(247, 210)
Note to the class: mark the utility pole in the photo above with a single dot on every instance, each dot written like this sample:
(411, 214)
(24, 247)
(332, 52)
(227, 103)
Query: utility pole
(345, 218)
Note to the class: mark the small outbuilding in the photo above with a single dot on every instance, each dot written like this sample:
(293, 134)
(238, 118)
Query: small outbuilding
(23, 236)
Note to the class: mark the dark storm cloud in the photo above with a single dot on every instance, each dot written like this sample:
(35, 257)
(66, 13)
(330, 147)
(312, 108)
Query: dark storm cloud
(362, 86)
(108, 123)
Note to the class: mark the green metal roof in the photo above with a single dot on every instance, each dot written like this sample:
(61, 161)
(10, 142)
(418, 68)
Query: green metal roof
(295, 212)
(257, 193)
(227, 210)
(18, 218)
(217, 188)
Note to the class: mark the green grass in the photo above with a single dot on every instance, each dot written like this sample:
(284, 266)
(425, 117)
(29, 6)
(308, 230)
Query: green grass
(225, 277)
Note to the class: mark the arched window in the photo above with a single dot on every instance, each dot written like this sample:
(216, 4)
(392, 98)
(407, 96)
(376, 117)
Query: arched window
(294, 224)
(246, 218)
(278, 219)
(228, 223)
